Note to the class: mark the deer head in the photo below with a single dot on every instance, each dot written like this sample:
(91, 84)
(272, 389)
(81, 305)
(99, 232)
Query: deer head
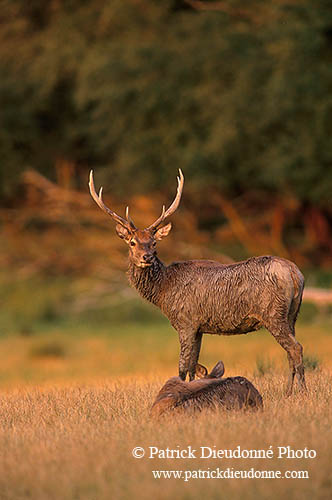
(216, 372)
(141, 242)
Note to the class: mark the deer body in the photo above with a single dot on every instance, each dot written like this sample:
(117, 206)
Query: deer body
(209, 297)
(210, 392)
(202, 296)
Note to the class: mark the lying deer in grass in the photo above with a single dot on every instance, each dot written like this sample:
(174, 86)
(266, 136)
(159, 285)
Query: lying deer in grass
(203, 296)
(211, 391)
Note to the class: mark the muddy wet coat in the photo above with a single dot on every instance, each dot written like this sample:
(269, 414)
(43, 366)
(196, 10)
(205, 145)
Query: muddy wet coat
(208, 297)
(202, 296)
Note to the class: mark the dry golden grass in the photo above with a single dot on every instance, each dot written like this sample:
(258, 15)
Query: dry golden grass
(76, 442)
(73, 407)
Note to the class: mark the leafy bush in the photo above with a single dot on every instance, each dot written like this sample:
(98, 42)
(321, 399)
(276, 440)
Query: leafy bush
(311, 362)
(263, 366)
(48, 349)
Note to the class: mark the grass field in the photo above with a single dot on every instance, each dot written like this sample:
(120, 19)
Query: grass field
(74, 405)
(70, 353)
(75, 442)
(82, 358)
(79, 371)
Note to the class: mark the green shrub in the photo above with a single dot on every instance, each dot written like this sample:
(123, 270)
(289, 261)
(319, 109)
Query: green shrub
(263, 366)
(311, 362)
(48, 349)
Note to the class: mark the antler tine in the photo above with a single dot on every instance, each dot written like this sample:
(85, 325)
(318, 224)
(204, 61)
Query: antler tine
(99, 200)
(173, 206)
(177, 198)
(159, 220)
(129, 219)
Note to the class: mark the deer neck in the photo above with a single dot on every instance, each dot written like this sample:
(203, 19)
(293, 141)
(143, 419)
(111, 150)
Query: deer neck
(148, 280)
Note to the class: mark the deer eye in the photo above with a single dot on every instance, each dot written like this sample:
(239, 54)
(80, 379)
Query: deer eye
(132, 243)
(154, 243)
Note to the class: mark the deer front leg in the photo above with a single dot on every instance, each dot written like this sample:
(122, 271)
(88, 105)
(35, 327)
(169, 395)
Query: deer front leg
(195, 355)
(190, 343)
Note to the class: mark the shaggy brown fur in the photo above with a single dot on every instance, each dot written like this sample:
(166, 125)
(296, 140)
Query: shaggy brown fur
(201, 297)
(211, 391)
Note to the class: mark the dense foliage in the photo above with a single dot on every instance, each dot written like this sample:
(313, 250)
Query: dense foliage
(238, 95)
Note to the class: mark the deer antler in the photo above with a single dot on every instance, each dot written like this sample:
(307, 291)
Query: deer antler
(127, 223)
(173, 207)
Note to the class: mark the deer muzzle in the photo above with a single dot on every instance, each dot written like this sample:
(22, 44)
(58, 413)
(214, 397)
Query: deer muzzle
(146, 260)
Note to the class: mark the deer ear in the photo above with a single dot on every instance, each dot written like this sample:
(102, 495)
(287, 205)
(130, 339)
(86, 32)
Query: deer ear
(218, 370)
(123, 233)
(201, 371)
(163, 231)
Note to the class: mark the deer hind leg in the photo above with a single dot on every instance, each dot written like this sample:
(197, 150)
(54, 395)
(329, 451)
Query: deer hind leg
(190, 346)
(291, 376)
(297, 355)
(284, 335)
(292, 316)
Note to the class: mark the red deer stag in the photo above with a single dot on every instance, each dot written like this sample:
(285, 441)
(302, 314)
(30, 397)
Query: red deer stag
(211, 391)
(203, 296)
